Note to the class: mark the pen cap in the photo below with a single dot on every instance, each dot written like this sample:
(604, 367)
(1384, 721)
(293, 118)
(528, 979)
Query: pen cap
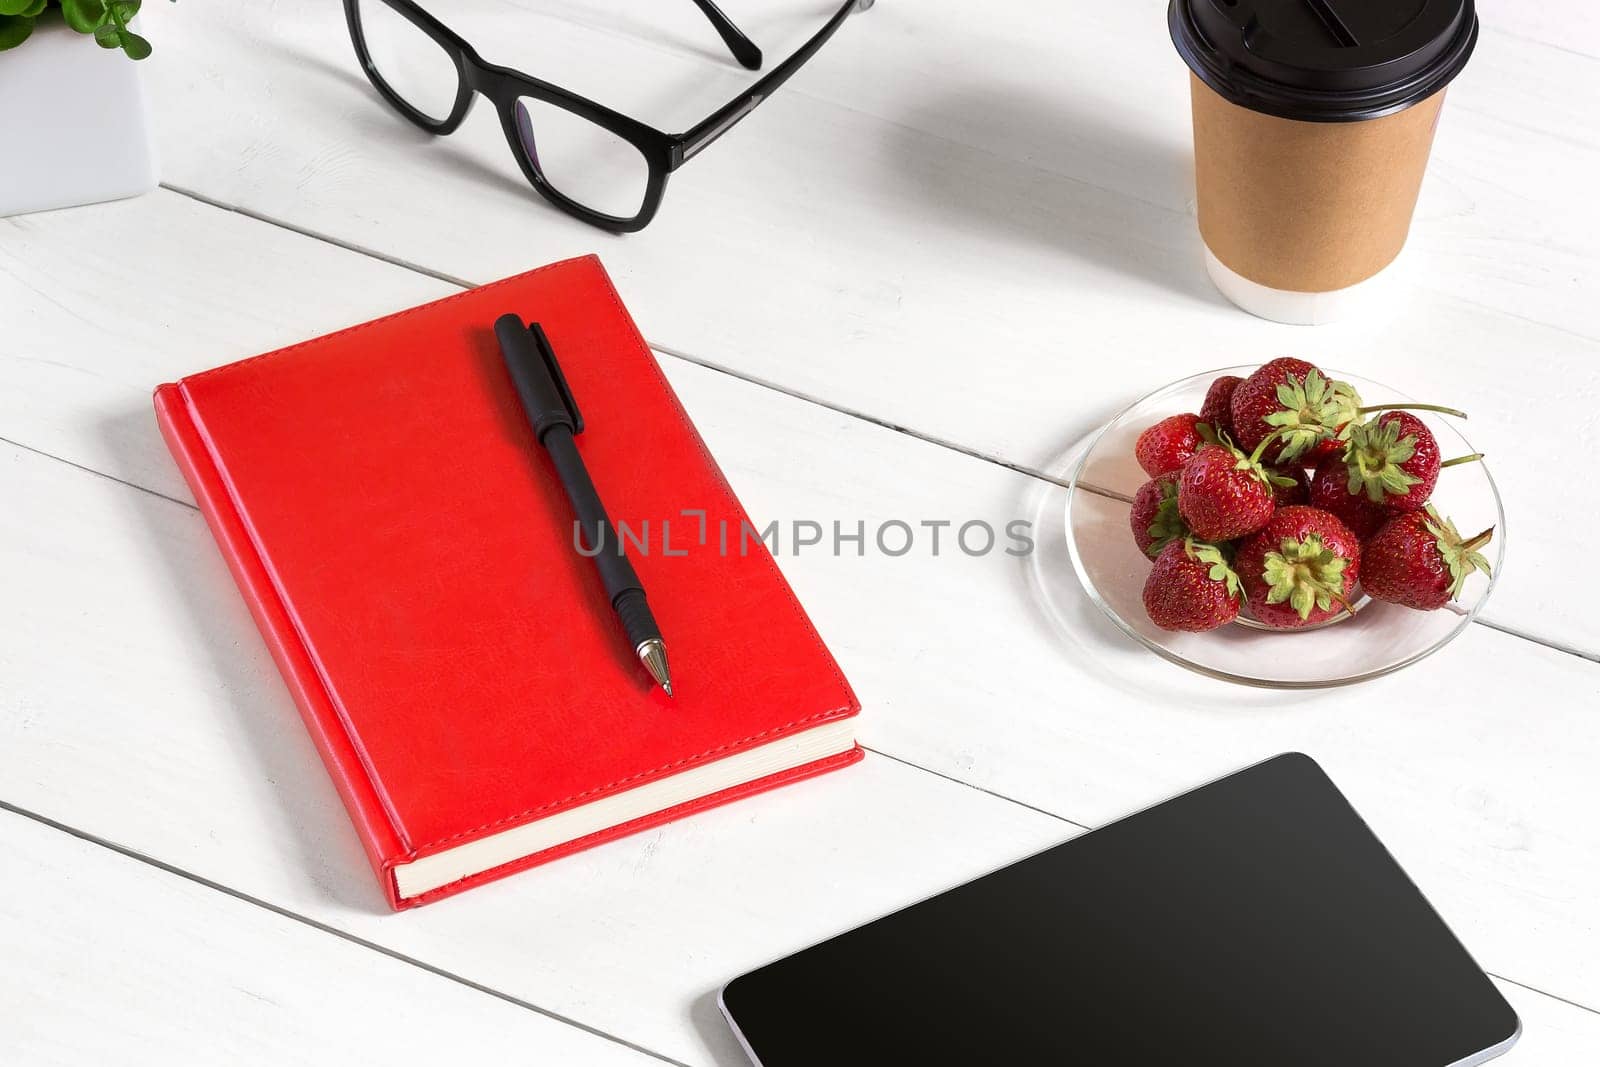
(543, 389)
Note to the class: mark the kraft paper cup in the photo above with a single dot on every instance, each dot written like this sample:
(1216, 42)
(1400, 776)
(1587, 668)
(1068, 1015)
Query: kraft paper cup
(1313, 121)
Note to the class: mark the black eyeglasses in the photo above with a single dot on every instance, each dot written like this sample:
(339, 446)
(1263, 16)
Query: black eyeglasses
(602, 167)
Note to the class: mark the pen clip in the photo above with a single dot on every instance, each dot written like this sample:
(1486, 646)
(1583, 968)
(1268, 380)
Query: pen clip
(547, 353)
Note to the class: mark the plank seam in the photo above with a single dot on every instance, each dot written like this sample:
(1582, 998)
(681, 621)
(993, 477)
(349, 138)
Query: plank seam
(316, 924)
(974, 786)
(382, 257)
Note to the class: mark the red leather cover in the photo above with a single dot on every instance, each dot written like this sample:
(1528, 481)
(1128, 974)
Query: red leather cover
(408, 554)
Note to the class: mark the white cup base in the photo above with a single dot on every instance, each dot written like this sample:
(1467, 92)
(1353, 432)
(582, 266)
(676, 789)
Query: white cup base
(1297, 308)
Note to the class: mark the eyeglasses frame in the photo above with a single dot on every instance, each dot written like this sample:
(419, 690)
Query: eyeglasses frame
(504, 86)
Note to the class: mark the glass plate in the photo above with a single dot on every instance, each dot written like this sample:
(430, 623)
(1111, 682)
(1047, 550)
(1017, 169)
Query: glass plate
(1380, 638)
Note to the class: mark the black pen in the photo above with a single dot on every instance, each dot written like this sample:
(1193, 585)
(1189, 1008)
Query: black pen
(554, 416)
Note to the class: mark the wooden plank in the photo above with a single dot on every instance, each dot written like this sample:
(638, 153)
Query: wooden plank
(1105, 105)
(91, 329)
(1552, 1032)
(140, 706)
(1476, 765)
(109, 960)
(101, 948)
(1090, 726)
(1076, 731)
(995, 261)
(1565, 26)
(181, 313)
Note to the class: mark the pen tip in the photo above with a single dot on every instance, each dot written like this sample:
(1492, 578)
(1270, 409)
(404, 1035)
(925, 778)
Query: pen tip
(653, 654)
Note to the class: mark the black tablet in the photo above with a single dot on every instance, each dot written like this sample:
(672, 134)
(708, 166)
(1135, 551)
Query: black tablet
(1254, 922)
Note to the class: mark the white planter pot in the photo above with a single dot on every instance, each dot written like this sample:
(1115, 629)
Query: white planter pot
(74, 128)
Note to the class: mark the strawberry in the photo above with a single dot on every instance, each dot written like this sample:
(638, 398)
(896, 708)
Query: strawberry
(1168, 444)
(1330, 491)
(1154, 517)
(1394, 460)
(1191, 587)
(1214, 412)
(1290, 485)
(1420, 561)
(1223, 494)
(1292, 397)
(1300, 569)
(1328, 447)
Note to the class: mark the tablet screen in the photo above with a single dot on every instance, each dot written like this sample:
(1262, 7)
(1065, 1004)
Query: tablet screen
(1253, 921)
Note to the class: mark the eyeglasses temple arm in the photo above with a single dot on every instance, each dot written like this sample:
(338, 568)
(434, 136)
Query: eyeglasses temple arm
(727, 116)
(742, 47)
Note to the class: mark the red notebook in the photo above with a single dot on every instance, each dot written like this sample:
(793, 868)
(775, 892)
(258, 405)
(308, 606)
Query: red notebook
(409, 556)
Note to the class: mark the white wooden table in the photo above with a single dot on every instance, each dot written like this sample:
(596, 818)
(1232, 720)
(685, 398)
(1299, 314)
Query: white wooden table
(950, 187)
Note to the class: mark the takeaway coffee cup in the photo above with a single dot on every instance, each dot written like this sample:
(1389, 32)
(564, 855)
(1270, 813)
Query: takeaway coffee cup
(1313, 120)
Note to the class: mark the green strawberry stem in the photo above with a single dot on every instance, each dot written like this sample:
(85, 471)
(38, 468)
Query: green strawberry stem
(1306, 574)
(1261, 449)
(1257, 469)
(1411, 407)
(1375, 456)
(1311, 409)
(1461, 557)
(1460, 460)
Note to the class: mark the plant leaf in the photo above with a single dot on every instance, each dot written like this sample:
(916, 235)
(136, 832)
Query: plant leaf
(84, 15)
(108, 36)
(135, 46)
(14, 29)
(19, 7)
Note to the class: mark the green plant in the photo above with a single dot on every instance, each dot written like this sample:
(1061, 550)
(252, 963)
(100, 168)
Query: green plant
(106, 20)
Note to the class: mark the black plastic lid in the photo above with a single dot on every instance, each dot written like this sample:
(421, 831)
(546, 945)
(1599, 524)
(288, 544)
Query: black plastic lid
(1324, 60)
